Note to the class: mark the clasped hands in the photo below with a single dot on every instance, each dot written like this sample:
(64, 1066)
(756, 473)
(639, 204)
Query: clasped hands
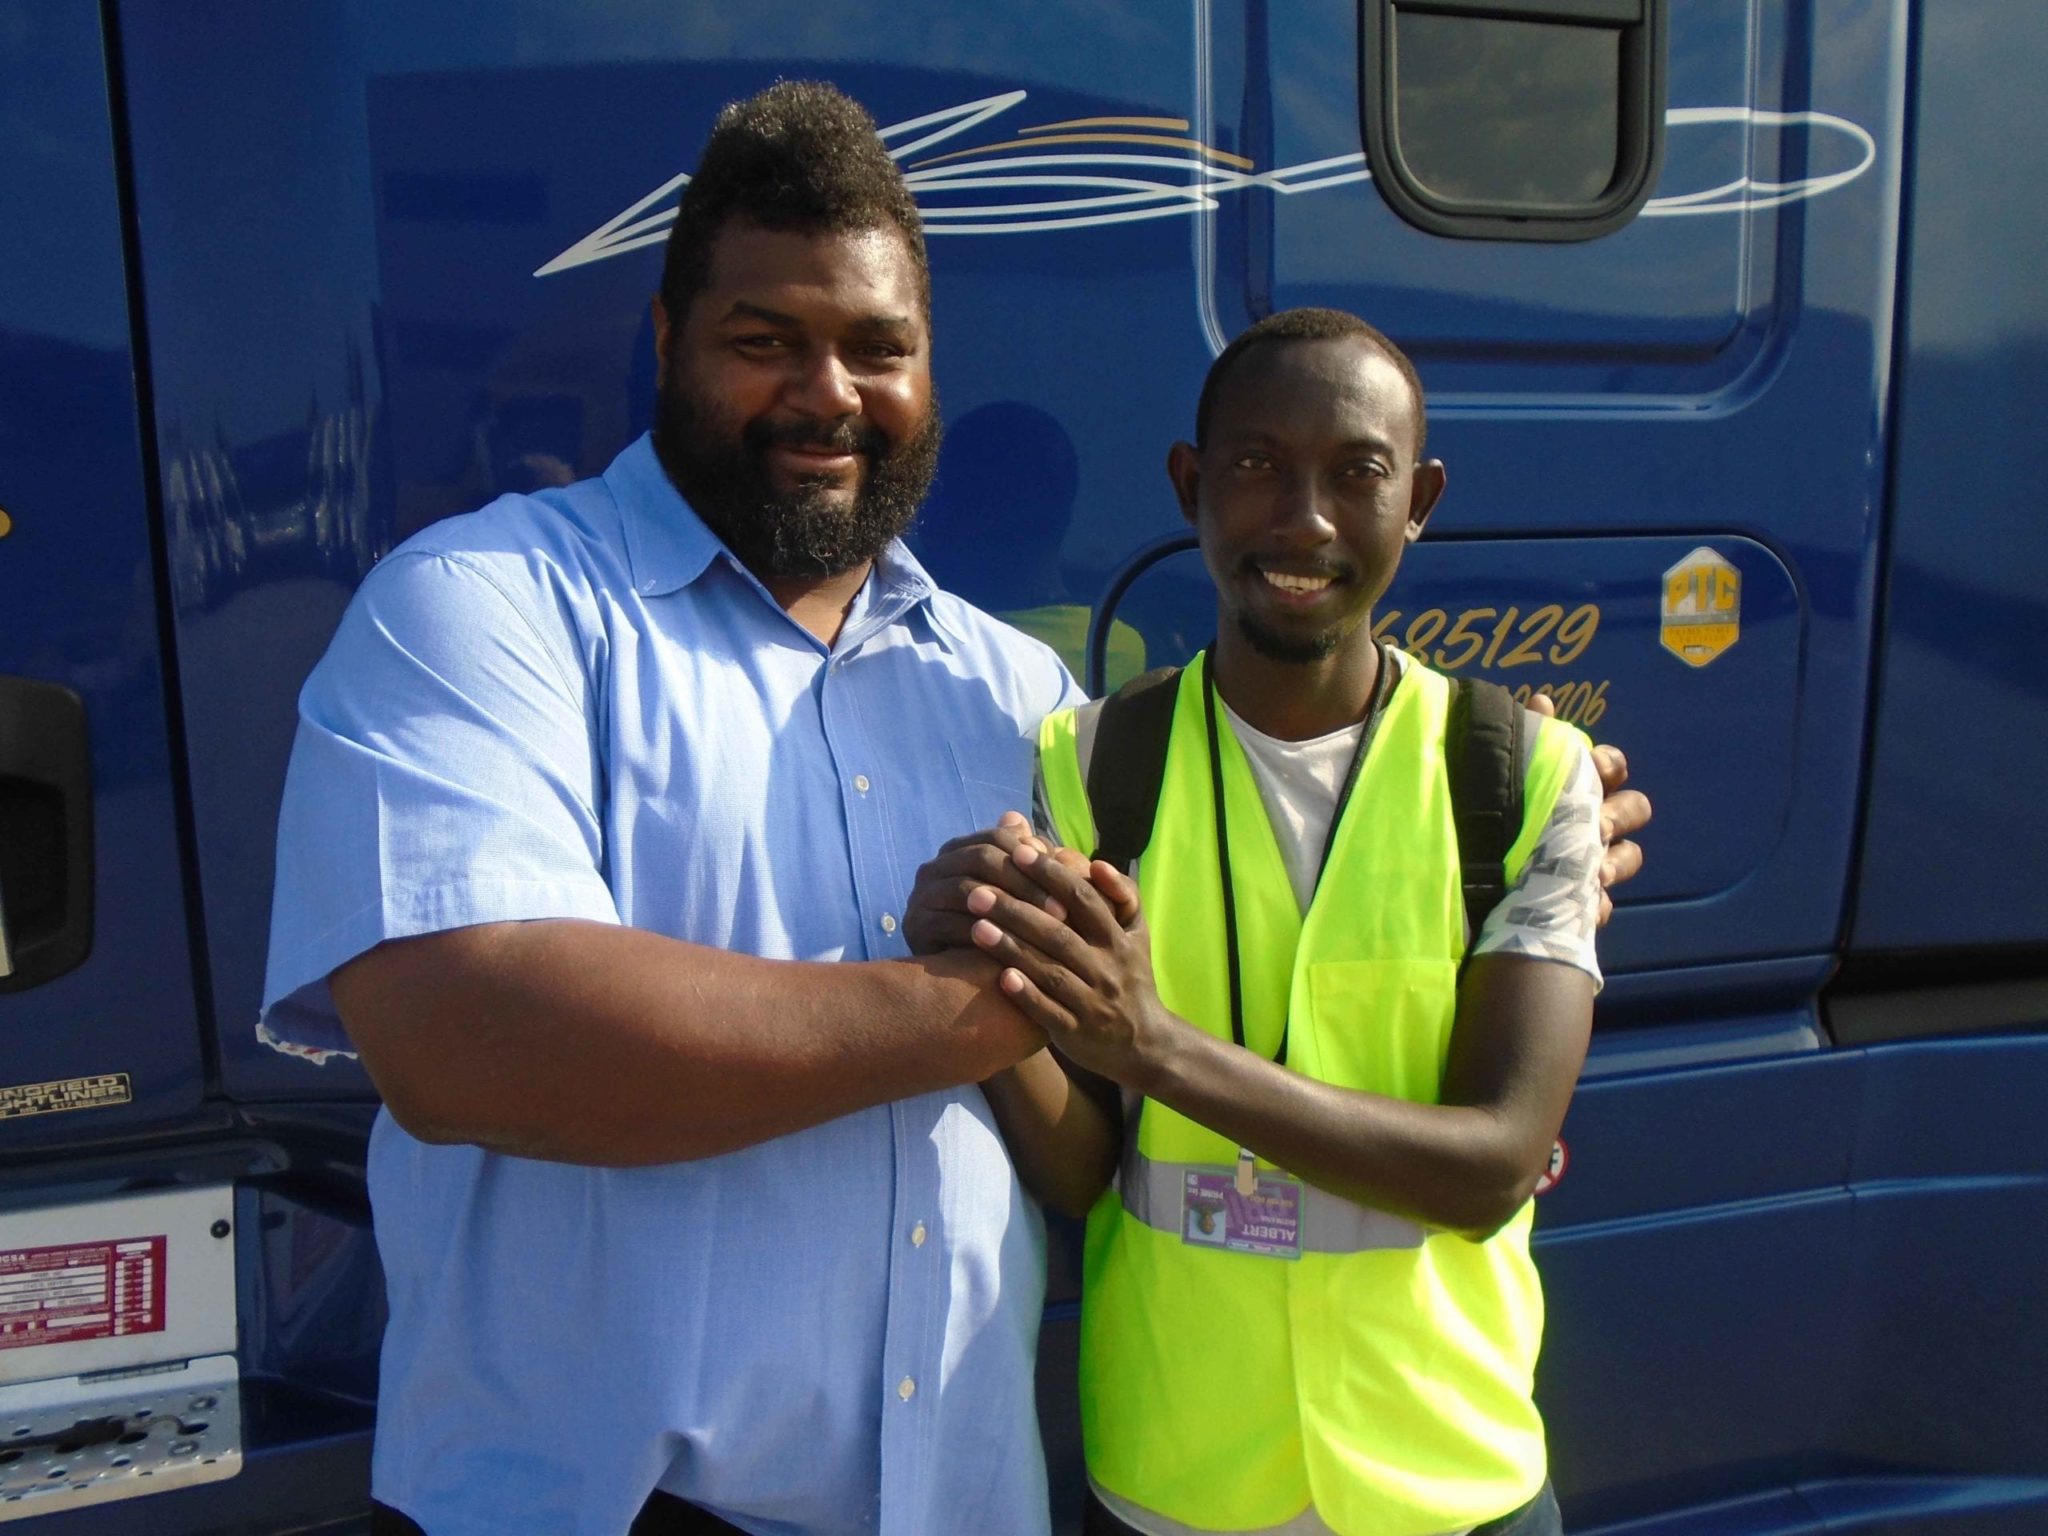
(1069, 943)
(1066, 935)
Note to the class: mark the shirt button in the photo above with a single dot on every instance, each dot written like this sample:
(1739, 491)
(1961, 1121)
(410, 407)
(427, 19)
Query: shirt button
(917, 1235)
(888, 923)
(860, 782)
(906, 1389)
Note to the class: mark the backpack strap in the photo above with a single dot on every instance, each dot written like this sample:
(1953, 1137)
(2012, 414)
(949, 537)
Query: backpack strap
(1486, 757)
(1128, 763)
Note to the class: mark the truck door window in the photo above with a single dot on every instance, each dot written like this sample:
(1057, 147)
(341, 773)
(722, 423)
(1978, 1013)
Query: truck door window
(1513, 119)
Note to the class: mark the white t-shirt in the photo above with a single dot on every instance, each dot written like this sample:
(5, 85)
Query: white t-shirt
(1551, 913)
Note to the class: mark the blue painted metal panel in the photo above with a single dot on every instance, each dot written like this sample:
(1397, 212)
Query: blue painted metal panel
(1686, 1253)
(1717, 367)
(254, 217)
(398, 262)
(1951, 1181)
(380, 353)
(1943, 1292)
(1930, 1506)
(1955, 1109)
(1858, 1506)
(1678, 1141)
(1962, 712)
(1907, 1323)
(1580, 619)
(386, 354)
(78, 604)
(1645, 1416)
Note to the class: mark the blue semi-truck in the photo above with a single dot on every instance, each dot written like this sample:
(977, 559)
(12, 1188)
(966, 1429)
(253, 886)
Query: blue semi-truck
(1733, 321)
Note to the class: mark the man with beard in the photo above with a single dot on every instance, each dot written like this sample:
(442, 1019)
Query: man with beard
(596, 793)
(599, 833)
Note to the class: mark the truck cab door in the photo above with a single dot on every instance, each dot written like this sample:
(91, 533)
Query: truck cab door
(99, 1030)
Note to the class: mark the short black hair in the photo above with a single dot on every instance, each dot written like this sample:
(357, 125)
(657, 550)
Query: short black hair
(1307, 325)
(801, 156)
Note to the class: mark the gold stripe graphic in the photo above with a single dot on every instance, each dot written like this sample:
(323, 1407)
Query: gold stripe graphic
(1171, 124)
(1093, 138)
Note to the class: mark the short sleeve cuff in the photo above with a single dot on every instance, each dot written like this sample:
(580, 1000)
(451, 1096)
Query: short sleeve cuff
(298, 1014)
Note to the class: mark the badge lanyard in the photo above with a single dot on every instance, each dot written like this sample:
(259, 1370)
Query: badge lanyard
(1247, 1166)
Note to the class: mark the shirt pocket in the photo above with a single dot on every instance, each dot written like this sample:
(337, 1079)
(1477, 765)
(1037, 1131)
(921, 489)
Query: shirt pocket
(994, 774)
(1381, 1025)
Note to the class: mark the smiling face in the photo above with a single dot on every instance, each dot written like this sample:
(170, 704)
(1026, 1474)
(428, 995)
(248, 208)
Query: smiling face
(796, 411)
(1306, 492)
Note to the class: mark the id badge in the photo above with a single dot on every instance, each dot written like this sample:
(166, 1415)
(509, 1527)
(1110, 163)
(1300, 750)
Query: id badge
(1266, 1220)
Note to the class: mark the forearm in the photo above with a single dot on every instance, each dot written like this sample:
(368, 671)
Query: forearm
(586, 1043)
(1461, 1167)
(1466, 1162)
(1062, 1139)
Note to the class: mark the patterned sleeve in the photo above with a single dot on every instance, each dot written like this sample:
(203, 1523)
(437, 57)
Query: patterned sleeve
(1552, 912)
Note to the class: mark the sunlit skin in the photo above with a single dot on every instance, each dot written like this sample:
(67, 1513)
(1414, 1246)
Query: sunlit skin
(617, 1047)
(1305, 495)
(822, 332)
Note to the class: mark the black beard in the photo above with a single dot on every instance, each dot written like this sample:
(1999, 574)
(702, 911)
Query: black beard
(804, 533)
(1295, 650)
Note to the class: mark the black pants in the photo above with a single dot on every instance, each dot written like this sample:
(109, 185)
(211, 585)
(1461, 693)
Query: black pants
(1538, 1517)
(661, 1515)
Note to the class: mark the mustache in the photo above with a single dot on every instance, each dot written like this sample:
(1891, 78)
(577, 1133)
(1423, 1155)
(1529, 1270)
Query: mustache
(1336, 570)
(855, 436)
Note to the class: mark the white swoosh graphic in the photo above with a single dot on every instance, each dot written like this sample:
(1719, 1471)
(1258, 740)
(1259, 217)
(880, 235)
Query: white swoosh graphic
(1102, 191)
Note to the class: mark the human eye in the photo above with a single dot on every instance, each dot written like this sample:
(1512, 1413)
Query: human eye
(1253, 460)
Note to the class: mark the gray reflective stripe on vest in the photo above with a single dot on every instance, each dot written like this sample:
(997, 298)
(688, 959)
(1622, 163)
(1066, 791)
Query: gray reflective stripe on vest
(1147, 1523)
(1152, 1193)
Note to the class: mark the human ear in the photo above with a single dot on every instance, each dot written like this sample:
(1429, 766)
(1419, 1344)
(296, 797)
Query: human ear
(1184, 469)
(1425, 488)
(660, 313)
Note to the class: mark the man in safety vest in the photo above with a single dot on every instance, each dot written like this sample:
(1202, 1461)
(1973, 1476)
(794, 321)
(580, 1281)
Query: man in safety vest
(1309, 1304)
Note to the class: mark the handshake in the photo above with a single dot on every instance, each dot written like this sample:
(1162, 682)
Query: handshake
(1063, 939)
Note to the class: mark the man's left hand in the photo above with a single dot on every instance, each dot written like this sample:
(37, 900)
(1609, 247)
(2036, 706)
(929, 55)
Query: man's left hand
(1623, 811)
(1087, 981)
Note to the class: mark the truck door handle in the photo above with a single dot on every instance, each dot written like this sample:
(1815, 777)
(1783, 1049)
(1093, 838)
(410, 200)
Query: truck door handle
(46, 853)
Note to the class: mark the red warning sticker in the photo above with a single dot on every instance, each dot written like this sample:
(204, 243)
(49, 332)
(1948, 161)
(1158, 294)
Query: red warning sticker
(81, 1291)
(1560, 1159)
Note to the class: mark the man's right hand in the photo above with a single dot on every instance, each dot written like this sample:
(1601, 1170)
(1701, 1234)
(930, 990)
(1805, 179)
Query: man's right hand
(936, 916)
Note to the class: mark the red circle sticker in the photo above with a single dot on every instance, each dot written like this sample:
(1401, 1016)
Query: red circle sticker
(1560, 1159)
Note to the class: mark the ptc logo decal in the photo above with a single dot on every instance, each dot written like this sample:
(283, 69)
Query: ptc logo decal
(1702, 607)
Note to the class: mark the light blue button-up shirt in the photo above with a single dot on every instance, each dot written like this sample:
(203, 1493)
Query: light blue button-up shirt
(577, 704)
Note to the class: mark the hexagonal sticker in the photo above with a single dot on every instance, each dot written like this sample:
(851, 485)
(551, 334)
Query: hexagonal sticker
(1702, 607)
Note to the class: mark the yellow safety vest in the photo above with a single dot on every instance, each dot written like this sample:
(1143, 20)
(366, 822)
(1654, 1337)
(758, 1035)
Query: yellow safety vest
(1383, 1377)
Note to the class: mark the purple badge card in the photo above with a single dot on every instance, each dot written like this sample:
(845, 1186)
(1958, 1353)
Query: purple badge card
(1267, 1221)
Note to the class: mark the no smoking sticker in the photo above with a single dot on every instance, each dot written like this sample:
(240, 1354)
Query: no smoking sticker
(1560, 1159)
